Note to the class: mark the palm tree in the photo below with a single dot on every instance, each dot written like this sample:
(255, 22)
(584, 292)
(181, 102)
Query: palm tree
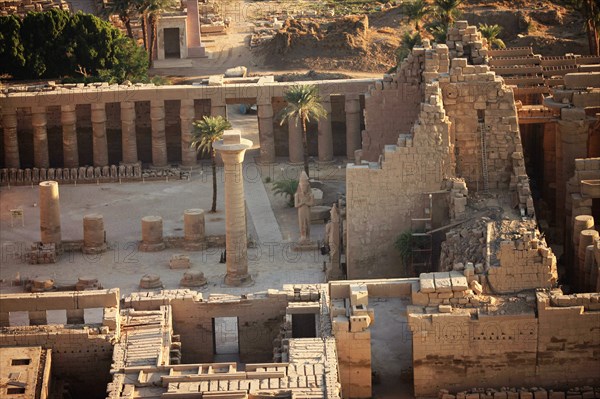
(125, 9)
(304, 105)
(590, 11)
(286, 188)
(447, 10)
(408, 42)
(206, 132)
(416, 11)
(491, 32)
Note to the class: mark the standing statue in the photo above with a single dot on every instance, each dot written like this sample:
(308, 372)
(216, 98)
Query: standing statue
(303, 200)
(332, 236)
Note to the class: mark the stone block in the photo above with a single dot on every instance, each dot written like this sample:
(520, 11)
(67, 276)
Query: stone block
(359, 323)
(476, 287)
(442, 282)
(427, 282)
(445, 308)
(359, 295)
(459, 281)
(340, 324)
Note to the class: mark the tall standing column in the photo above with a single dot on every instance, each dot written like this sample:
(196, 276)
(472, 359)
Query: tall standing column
(11, 143)
(50, 213)
(353, 139)
(100, 145)
(325, 138)
(296, 149)
(68, 118)
(40, 137)
(232, 149)
(265, 132)
(159, 139)
(128, 133)
(186, 114)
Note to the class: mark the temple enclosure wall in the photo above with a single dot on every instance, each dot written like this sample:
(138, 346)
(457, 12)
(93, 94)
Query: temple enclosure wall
(557, 348)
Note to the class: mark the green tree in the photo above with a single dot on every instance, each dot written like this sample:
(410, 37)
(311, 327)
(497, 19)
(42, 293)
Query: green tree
(303, 105)
(416, 11)
(409, 40)
(124, 9)
(491, 32)
(206, 132)
(447, 10)
(93, 42)
(438, 31)
(130, 62)
(590, 11)
(11, 48)
(46, 46)
(286, 188)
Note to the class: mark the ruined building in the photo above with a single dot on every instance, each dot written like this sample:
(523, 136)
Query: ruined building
(487, 159)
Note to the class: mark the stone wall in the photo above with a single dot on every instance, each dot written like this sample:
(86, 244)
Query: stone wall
(383, 197)
(555, 347)
(80, 357)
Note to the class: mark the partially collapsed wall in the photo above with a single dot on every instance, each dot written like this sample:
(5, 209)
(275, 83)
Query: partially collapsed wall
(467, 127)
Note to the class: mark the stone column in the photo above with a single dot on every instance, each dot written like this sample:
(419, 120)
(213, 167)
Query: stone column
(549, 148)
(187, 114)
(159, 139)
(40, 137)
(68, 118)
(11, 143)
(50, 213)
(586, 238)
(99, 134)
(75, 316)
(152, 234)
(38, 318)
(93, 234)
(295, 146)
(232, 149)
(353, 139)
(128, 133)
(325, 138)
(265, 132)
(193, 227)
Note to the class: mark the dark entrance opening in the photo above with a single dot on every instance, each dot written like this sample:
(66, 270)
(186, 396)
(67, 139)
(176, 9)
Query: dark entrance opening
(304, 325)
(172, 49)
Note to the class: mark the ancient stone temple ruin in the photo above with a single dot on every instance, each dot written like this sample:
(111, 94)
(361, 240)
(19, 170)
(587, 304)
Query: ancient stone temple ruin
(481, 165)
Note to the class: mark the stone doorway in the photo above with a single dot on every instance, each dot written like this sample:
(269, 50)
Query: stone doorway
(172, 44)
(226, 336)
(304, 325)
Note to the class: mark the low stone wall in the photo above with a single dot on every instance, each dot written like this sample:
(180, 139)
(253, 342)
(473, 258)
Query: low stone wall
(586, 392)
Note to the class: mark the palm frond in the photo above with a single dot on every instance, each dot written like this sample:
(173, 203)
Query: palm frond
(303, 103)
(206, 131)
(286, 188)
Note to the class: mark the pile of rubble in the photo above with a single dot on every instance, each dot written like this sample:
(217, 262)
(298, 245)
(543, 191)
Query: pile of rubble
(339, 36)
(465, 244)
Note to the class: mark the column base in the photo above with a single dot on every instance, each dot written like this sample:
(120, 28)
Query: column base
(259, 161)
(148, 247)
(236, 281)
(94, 250)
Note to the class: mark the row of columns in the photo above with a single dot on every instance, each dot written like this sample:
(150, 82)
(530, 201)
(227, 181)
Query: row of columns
(325, 137)
(159, 144)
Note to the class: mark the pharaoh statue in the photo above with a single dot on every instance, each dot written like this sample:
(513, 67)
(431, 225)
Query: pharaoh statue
(303, 200)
